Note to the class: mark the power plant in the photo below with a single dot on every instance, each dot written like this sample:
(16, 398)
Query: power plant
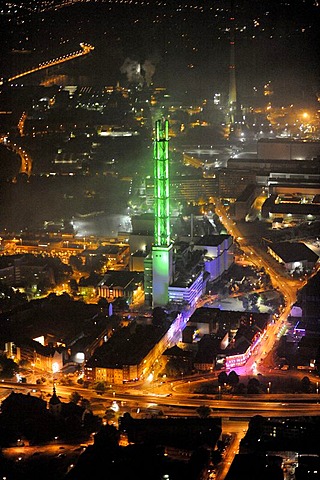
(201, 259)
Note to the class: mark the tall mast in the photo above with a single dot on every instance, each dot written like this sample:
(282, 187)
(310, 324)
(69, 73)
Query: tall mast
(161, 183)
(232, 68)
(162, 266)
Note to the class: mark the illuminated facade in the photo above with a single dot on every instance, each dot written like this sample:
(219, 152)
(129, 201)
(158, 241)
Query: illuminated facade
(162, 248)
(116, 369)
(189, 291)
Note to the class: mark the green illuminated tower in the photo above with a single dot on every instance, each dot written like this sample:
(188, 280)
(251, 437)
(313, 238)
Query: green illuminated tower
(161, 184)
(162, 248)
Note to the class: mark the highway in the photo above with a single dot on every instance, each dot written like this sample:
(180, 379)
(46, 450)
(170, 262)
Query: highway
(235, 412)
(272, 405)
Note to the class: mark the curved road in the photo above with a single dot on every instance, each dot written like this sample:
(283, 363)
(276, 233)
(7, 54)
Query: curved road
(26, 161)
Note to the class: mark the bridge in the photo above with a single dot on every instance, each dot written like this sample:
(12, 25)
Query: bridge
(85, 49)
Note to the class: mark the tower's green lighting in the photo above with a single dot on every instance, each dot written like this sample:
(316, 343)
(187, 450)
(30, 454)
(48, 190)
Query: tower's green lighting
(161, 184)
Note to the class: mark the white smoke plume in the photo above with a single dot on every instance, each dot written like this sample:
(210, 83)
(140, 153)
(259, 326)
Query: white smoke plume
(132, 69)
(149, 69)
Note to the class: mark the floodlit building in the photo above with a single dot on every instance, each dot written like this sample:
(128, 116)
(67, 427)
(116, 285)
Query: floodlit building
(295, 256)
(120, 283)
(130, 352)
(287, 149)
(219, 253)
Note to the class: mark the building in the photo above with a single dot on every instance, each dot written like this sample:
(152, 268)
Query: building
(137, 259)
(295, 256)
(292, 206)
(185, 290)
(130, 352)
(41, 357)
(186, 432)
(306, 184)
(278, 447)
(108, 255)
(25, 271)
(232, 182)
(120, 283)
(244, 202)
(225, 339)
(287, 149)
(309, 302)
(219, 253)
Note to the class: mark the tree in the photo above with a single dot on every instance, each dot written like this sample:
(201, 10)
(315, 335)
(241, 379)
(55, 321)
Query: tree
(240, 389)
(75, 397)
(199, 460)
(253, 386)
(245, 303)
(120, 304)
(100, 388)
(159, 316)
(75, 262)
(103, 303)
(256, 424)
(175, 367)
(216, 456)
(109, 414)
(223, 378)
(305, 385)
(233, 379)
(8, 368)
(107, 438)
(85, 403)
(203, 411)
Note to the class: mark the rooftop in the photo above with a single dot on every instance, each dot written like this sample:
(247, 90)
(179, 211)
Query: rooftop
(121, 278)
(293, 252)
(211, 240)
(127, 346)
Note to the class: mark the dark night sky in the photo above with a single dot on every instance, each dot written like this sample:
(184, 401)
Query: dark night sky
(275, 40)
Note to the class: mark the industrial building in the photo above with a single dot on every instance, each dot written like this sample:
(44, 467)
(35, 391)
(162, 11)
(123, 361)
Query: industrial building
(287, 149)
(295, 256)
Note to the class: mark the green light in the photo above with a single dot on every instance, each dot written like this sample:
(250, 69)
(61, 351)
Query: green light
(161, 184)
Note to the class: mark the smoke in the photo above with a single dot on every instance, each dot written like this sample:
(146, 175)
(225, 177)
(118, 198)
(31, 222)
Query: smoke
(133, 70)
(149, 69)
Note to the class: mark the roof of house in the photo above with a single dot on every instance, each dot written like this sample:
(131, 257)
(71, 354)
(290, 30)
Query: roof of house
(127, 346)
(175, 351)
(121, 278)
(293, 252)
(211, 240)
